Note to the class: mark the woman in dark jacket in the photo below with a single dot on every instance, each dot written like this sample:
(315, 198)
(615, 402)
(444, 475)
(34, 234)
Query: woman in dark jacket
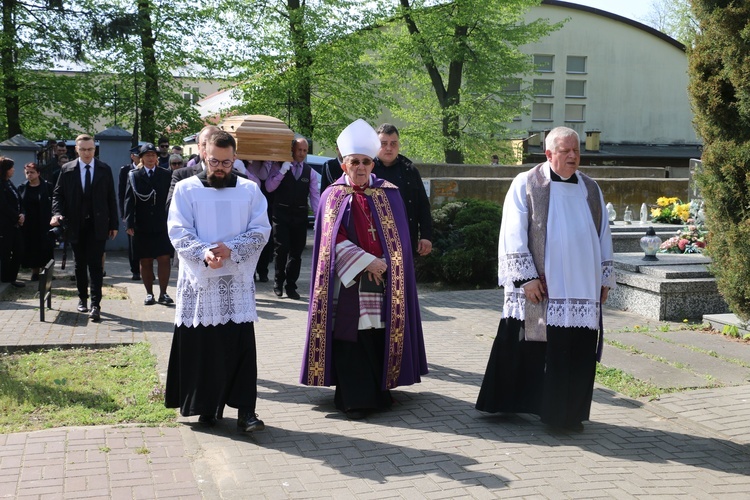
(11, 220)
(36, 199)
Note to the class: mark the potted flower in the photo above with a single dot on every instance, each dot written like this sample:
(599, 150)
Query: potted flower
(689, 239)
(670, 211)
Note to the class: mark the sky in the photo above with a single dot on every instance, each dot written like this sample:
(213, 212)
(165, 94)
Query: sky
(633, 9)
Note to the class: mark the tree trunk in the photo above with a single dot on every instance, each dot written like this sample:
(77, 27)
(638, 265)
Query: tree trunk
(8, 64)
(448, 97)
(151, 70)
(450, 102)
(302, 107)
(136, 120)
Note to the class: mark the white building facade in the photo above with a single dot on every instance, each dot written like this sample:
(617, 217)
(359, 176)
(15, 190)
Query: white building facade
(608, 73)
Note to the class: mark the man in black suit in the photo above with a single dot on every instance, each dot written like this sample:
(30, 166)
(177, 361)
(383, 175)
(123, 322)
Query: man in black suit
(85, 198)
(123, 182)
(146, 222)
(51, 170)
(164, 152)
(398, 169)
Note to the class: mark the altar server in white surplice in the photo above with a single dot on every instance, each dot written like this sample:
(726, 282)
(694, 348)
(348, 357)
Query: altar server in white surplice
(218, 225)
(555, 264)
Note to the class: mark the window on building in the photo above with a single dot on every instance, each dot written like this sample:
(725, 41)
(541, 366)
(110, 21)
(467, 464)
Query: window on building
(541, 112)
(543, 88)
(544, 63)
(575, 112)
(576, 64)
(575, 88)
(192, 96)
(512, 86)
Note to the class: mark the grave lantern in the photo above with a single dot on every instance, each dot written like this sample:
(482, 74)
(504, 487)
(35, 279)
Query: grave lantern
(611, 213)
(650, 244)
(627, 218)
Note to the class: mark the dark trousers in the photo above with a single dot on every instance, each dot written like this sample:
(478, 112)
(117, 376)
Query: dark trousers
(88, 253)
(11, 247)
(266, 257)
(289, 236)
(135, 266)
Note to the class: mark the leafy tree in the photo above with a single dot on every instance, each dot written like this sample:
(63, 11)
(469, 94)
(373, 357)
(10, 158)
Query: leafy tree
(35, 33)
(306, 62)
(448, 65)
(674, 18)
(719, 66)
(134, 53)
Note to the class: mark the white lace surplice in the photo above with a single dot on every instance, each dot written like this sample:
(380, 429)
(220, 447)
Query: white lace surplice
(198, 218)
(572, 245)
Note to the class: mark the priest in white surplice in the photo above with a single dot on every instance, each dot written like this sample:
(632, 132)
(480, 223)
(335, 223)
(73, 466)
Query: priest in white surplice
(555, 264)
(218, 225)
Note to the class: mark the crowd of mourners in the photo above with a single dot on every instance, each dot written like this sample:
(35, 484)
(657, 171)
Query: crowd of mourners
(372, 221)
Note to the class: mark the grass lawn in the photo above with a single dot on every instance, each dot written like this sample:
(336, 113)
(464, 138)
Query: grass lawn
(72, 387)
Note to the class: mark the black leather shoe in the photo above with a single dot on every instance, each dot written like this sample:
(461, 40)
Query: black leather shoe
(207, 420)
(94, 314)
(136, 277)
(263, 278)
(277, 291)
(292, 294)
(82, 308)
(17, 284)
(165, 299)
(250, 422)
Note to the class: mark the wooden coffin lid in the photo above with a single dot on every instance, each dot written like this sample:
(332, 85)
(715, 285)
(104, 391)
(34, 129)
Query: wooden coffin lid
(260, 137)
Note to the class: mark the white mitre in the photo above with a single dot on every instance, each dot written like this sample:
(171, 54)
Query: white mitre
(359, 138)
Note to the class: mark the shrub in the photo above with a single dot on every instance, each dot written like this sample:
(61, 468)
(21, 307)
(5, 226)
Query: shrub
(720, 92)
(464, 246)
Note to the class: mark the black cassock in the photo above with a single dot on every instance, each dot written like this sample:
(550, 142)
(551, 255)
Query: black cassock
(553, 379)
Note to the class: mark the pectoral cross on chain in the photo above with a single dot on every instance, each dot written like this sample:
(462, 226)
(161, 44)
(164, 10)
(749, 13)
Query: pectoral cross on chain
(372, 232)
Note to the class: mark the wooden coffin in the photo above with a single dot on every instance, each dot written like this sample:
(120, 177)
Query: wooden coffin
(260, 137)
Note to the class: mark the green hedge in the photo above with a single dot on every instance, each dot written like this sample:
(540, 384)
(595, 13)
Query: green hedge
(464, 246)
(719, 69)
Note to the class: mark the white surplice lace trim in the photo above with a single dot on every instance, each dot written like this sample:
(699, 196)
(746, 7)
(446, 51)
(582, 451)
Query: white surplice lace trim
(560, 312)
(211, 297)
(516, 267)
(515, 304)
(582, 313)
(608, 274)
(246, 246)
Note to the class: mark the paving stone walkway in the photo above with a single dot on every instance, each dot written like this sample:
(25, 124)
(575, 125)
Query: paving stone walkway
(432, 444)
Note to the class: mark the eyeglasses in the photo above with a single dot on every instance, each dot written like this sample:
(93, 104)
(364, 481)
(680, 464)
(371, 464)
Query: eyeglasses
(224, 163)
(355, 163)
(163, 145)
(176, 163)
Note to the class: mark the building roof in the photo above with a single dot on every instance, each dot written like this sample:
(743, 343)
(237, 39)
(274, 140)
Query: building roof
(631, 22)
